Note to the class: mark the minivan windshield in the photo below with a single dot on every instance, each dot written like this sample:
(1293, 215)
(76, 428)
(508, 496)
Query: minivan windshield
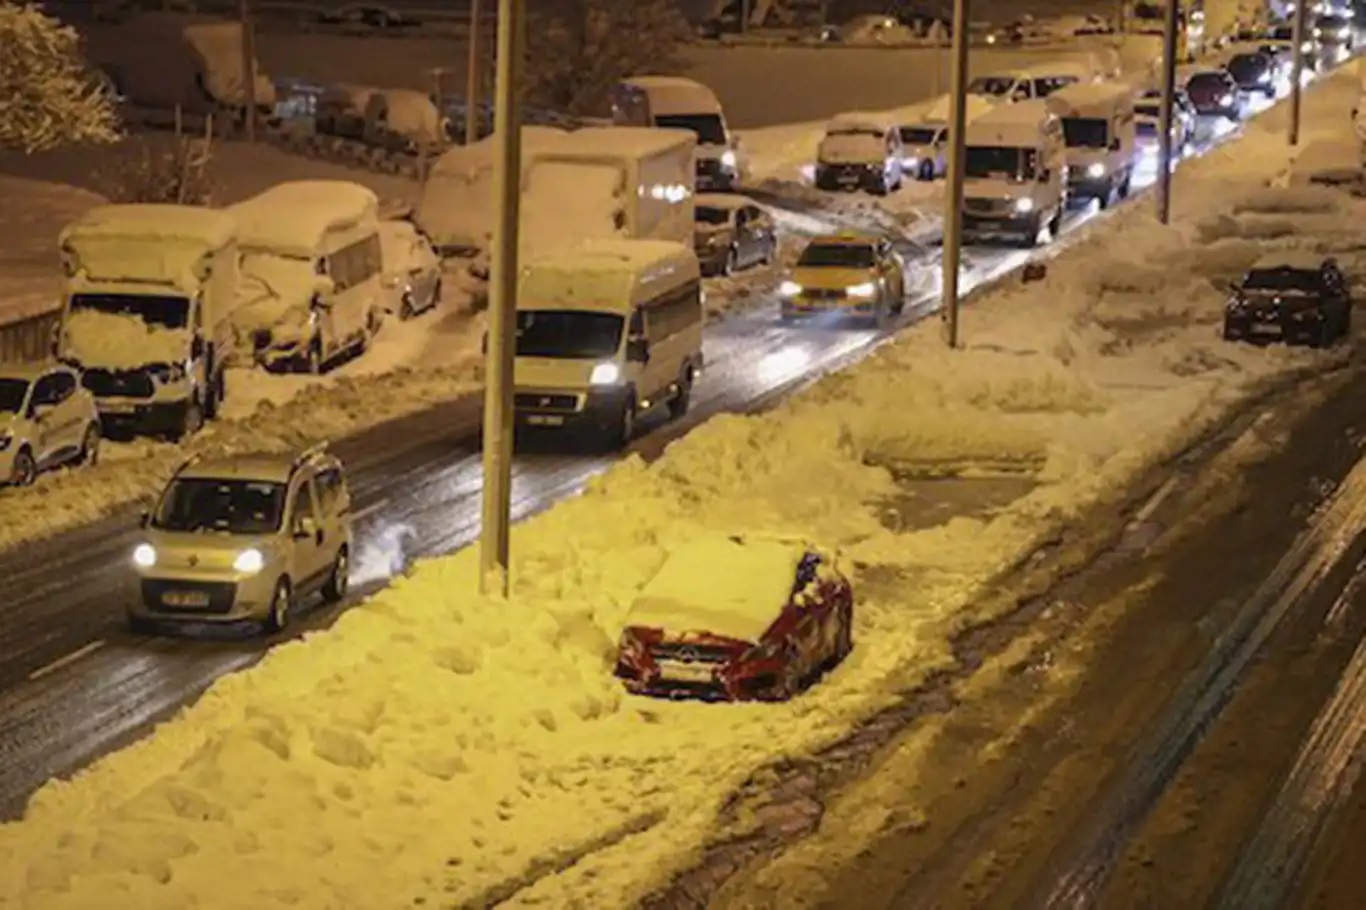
(919, 135)
(12, 392)
(708, 127)
(984, 162)
(838, 255)
(221, 505)
(153, 309)
(1085, 132)
(568, 334)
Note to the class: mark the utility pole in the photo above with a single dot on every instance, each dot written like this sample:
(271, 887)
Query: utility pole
(495, 533)
(744, 17)
(472, 77)
(1297, 73)
(248, 68)
(953, 199)
(1164, 139)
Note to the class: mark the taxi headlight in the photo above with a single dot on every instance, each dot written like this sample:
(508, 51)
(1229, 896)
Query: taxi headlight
(1024, 205)
(606, 373)
(1095, 170)
(789, 289)
(864, 291)
(144, 556)
(249, 562)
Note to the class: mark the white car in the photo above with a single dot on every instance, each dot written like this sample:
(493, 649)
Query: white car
(925, 145)
(411, 269)
(46, 419)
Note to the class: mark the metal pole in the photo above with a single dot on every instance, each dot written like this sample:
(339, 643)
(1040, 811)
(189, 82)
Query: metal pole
(248, 67)
(1164, 139)
(502, 317)
(472, 77)
(953, 199)
(1297, 72)
(744, 17)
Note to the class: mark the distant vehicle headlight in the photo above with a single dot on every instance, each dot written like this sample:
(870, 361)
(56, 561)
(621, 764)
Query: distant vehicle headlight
(864, 291)
(1226, 100)
(1307, 47)
(728, 158)
(606, 373)
(910, 161)
(789, 289)
(1095, 170)
(1024, 205)
(249, 562)
(991, 39)
(144, 556)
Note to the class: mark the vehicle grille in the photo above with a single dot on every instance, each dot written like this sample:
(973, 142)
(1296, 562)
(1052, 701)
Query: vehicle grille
(691, 653)
(221, 596)
(535, 401)
(980, 206)
(117, 383)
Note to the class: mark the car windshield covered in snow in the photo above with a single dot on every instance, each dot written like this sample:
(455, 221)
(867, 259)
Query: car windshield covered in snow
(998, 86)
(1085, 132)
(12, 393)
(708, 214)
(153, 309)
(983, 162)
(838, 255)
(1283, 279)
(227, 506)
(708, 127)
(570, 334)
(919, 135)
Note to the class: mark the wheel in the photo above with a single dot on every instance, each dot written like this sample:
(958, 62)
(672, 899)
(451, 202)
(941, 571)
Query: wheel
(1230, 333)
(882, 315)
(1055, 225)
(899, 299)
(1107, 199)
(882, 187)
(217, 392)
(335, 588)
(1125, 187)
(926, 171)
(844, 639)
(623, 429)
(789, 684)
(1323, 335)
(90, 445)
(678, 405)
(25, 469)
(191, 421)
(406, 310)
(436, 296)
(732, 261)
(278, 616)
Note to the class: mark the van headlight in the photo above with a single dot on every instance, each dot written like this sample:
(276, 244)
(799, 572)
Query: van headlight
(863, 291)
(1095, 170)
(1024, 205)
(144, 556)
(728, 158)
(789, 289)
(1225, 100)
(249, 562)
(607, 373)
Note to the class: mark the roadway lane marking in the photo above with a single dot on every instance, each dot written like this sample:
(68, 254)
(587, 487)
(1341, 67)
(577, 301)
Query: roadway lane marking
(68, 659)
(369, 510)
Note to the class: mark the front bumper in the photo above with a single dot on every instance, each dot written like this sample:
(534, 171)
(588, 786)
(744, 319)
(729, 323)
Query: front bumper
(1271, 324)
(849, 177)
(706, 681)
(141, 416)
(804, 305)
(558, 409)
(1090, 187)
(203, 597)
(1007, 225)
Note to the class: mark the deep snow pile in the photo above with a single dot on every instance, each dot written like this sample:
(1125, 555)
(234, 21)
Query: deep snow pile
(435, 747)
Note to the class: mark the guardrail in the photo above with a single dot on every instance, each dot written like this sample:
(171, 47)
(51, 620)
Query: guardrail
(28, 339)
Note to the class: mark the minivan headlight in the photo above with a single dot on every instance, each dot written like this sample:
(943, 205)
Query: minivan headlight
(249, 562)
(144, 556)
(1095, 170)
(607, 373)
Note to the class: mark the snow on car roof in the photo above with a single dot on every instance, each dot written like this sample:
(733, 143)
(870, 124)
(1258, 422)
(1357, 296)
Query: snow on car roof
(631, 141)
(610, 275)
(1090, 98)
(1300, 260)
(266, 467)
(148, 221)
(859, 121)
(293, 217)
(676, 95)
(721, 585)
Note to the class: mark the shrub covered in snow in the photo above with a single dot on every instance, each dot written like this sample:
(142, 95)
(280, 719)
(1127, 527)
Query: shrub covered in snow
(176, 173)
(48, 97)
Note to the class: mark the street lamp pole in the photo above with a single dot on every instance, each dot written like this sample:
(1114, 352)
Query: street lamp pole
(472, 77)
(495, 532)
(1164, 139)
(953, 199)
(1297, 72)
(248, 68)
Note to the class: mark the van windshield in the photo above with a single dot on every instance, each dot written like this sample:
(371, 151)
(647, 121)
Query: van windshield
(992, 85)
(227, 506)
(568, 334)
(985, 162)
(153, 309)
(708, 127)
(1085, 132)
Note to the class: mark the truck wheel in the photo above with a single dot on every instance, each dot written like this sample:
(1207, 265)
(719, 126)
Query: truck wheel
(623, 428)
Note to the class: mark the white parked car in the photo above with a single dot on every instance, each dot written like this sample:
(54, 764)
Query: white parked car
(411, 269)
(925, 145)
(46, 420)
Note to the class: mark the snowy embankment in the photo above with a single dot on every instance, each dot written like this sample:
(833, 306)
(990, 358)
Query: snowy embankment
(31, 214)
(438, 748)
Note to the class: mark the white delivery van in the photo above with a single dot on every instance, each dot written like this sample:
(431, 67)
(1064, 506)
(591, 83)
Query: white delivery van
(861, 151)
(146, 307)
(672, 102)
(608, 183)
(1098, 124)
(1015, 173)
(607, 333)
(311, 272)
(1031, 82)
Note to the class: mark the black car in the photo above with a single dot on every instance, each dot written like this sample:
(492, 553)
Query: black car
(1292, 297)
(371, 15)
(1214, 93)
(1253, 72)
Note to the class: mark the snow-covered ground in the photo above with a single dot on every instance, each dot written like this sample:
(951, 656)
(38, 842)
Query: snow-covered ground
(435, 748)
(32, 212)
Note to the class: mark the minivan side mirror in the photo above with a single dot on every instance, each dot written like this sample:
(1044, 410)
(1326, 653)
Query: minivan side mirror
(306, 528)
(638, 350)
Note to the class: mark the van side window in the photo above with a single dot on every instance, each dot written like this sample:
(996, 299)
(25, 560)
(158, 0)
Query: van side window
(675, 311)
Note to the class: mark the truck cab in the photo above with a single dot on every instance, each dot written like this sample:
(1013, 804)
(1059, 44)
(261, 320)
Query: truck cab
(671, 102)
(1098, 125)
(1015, 174)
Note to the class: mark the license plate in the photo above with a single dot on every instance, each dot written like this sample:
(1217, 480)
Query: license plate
(188, 599)
(545, 420)
(1266, 328)
(681, 672)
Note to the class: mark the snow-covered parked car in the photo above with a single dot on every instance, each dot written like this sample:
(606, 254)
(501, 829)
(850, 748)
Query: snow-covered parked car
(740, 617)
(412, 269)
(875, 29)
(860, 151)
(46, 420)
(340, 110)
(404, 120)
(732, 233)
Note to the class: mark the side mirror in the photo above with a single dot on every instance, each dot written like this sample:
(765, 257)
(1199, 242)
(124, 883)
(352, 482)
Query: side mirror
(638, 350)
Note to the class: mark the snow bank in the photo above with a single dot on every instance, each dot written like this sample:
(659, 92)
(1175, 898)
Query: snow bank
(405, 113)
(434, 745)
(118, 342)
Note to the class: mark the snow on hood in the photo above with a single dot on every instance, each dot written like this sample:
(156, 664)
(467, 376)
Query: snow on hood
(120, 342)
(851, 148)
(219, 46)
(275, 291)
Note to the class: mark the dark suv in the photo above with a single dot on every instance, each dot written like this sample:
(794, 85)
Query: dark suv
(1297, 298)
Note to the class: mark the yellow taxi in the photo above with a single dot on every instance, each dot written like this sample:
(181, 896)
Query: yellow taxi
(849, 273)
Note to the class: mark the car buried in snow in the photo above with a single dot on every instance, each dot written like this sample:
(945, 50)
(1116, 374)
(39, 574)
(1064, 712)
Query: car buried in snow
(848, 273)
(737, 618)
(1298, 298)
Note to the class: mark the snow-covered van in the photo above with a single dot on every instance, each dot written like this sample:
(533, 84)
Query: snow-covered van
(1099, 127)
(615, 182)
(672, 102)
(311, 268)
(1015, 173)
(1030, 82)
(146, 307)
(605, 333)
(861, 151)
